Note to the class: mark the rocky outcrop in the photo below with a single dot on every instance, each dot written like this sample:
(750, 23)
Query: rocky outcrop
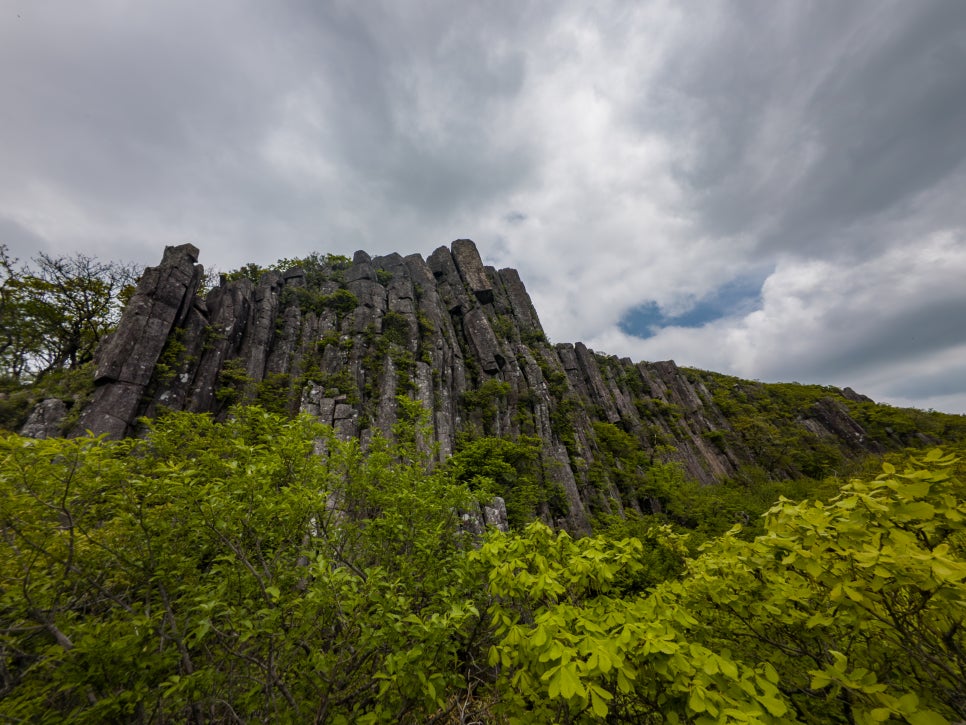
(489, 515)
(46, 419)
(343, 339)
(127, 360)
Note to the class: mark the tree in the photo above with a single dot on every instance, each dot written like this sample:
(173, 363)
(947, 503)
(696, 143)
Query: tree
(18, 340)
(53, 317)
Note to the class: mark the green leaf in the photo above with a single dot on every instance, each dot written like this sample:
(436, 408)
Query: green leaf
(771, 674)
(729, 668)
(598, 703)
(696, 700)
(909, 702)
(916, 510)
(926, 717)
(570, 685)
(773, 705)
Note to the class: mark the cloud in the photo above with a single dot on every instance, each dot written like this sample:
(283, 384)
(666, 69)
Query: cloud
(893, 322)
(780, 186)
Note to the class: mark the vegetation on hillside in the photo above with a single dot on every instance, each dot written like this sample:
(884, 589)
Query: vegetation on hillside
(227, 572)
(253, 567)
(52, 318)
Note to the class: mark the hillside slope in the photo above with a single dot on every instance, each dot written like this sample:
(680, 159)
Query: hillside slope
(341, 339)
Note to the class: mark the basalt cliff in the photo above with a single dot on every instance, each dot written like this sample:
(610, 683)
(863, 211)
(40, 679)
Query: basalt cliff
(342, 339)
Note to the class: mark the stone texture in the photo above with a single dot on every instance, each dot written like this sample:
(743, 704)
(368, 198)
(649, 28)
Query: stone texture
(435, 330)
(470, 266)
(488, 515)
(126, 360)
(448, 282)
(482, 341)
(522, 306)
(45, 420)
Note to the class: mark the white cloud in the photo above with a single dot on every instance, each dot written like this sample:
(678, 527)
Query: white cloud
(617, 154)
(885, 326)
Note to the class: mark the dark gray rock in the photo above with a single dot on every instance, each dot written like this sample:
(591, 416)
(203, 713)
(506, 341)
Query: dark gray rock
(433, 330)
(599, 394)
(45, 420)
(448, 282)
(361, 269)
(126, 360)
(834, 419)
(489, 515)
(494, 514)
(568, 357)
(523, 309)
(369, 292)
(855, 397)
(470, 266)
(258, 341)
(482, 341)
(112, 411)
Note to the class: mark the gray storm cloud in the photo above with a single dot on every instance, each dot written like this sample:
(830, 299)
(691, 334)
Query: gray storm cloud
(622, 156)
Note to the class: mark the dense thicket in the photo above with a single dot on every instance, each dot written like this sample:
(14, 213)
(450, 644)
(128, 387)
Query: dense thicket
(226, 572)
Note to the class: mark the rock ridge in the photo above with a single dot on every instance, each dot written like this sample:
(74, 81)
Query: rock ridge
(341, 340)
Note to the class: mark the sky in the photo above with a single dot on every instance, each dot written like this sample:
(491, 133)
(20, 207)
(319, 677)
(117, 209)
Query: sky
(769, 189)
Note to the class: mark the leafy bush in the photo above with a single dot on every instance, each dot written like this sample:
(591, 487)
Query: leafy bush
(228, 572)
(224, 572)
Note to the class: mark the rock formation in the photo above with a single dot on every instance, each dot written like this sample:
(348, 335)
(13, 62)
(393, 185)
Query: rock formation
(342, 339)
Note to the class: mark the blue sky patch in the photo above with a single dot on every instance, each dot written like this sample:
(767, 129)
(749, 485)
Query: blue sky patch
(742, 294)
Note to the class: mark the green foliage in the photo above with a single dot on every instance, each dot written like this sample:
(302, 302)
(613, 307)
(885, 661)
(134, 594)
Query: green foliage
(486, 399)
(846, 611)
(310, 299)
(563, 414)
(383, 276)
(52, 317)
(171, 357)
(233, 382)
(335, 384)
(659, 408)
(857, 603)
(342, 301)
(330, 338)
(510, 469)
(316, 267)
(887, 424)
(227, 572)
(405, 371)
(765, 419)
(274, 393)
(619, 460)
(338, 262)
(250, 271)
(534, 337)
(503, 326)
(395, 328)
(223, 572)
(425, 325)
(72, 386)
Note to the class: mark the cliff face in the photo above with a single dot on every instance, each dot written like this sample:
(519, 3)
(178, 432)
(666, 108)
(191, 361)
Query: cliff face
(341, 340)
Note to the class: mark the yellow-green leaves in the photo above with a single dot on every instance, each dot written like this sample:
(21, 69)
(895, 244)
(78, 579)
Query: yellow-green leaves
(215, 566)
